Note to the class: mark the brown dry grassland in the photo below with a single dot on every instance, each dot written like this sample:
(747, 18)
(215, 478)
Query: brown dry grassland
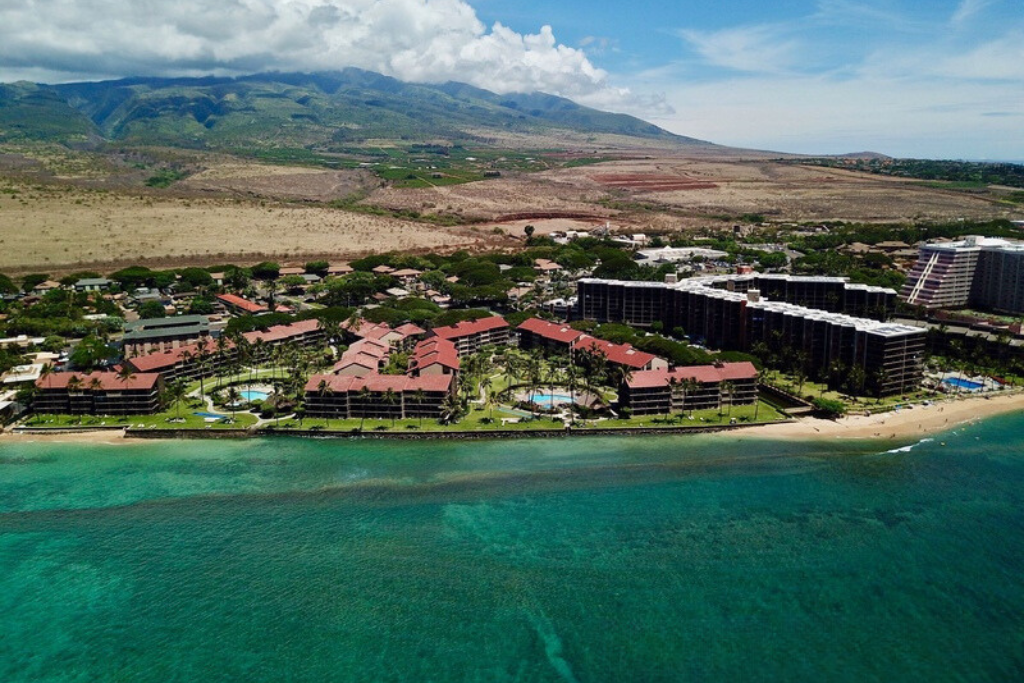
(244, 211)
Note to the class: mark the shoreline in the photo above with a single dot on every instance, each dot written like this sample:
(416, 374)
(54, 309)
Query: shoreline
(904, 424)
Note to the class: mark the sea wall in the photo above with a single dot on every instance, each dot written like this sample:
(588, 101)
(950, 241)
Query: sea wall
(426, 436)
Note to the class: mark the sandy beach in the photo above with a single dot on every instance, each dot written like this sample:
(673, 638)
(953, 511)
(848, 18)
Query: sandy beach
(98, 436)
(907, 423)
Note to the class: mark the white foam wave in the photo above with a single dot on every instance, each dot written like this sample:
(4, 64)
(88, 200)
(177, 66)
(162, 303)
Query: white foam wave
(907, 449)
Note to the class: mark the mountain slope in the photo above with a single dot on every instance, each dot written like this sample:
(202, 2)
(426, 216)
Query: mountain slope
(318, 110)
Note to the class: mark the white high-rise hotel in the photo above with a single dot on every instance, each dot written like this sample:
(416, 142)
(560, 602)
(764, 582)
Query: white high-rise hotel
(982, 272)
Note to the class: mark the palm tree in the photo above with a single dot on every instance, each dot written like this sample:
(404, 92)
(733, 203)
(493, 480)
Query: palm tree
(391, 398)
(689, 386)
(572, 383)
(673, 382)
(322, 389)
(364, 398)
(533, 380)
(259, 350)
(451, 408)
(176, 392)
(233, 396)
(221, 348)
(485, 388)
(125, 374)
(272, 288)
(419, 395)
(74, 386)
(727, 389)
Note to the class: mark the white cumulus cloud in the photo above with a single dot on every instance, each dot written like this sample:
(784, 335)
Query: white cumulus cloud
(413, 40)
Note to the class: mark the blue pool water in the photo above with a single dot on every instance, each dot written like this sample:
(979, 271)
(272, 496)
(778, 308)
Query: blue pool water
(551, 399)
(216, 415)
(253, 395)
(963, 383)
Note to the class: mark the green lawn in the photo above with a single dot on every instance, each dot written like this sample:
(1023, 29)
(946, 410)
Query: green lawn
(742, 414)
(162, 420)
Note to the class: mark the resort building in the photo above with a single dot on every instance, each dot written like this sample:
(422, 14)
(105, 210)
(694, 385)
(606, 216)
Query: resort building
(981, 272)
(185, 362)
(434, 356)
(535, 333)
(624, 355)
(699, 387)
(304, 333)
(98, 393)
(207, 357)
(160, 334)
(470, 336)
(401, 336)
(378, 396)
(362, 358)
(888, 356)
(240, 306)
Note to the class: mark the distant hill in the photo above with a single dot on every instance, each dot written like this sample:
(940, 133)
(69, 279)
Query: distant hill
(290, 110)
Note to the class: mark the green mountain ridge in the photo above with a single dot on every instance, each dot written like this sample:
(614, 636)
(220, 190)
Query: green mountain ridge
(317, 110)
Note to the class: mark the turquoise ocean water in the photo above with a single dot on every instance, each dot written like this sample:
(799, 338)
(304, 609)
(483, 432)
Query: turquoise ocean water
(601, 559)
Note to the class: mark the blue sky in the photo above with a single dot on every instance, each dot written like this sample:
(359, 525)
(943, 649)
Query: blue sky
(943, 78)
(935, 78)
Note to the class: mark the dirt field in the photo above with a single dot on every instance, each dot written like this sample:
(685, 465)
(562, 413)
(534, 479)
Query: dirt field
(52, 229)
(246, 211)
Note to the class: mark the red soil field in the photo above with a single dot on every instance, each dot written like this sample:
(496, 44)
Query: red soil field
(649, 182)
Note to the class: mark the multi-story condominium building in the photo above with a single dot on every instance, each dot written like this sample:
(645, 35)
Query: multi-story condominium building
(378, 396)
(304, 333)
(362, 358)
(999, 281)
(98, 393)
(470, 336)
(241, 306)
(208, 357)
(434, 357)
(976, 271)
(888, 355)
(160, 334)
(185, 362)
(535, 333)
(698, 387)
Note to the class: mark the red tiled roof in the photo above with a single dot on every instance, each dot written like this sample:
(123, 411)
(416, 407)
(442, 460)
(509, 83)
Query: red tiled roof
(622, 354)
(549, 330)
(705, 374)
(467, 327)
(370, 347)
(364, 328)
(164, 360)
(363, 360)
(244, 304)
(382, 268)
(434, 350)
(410, 330)
(109, 381)
(380, 383)
(281, 332)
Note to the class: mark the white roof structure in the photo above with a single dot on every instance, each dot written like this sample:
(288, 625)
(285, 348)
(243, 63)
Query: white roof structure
(703, 285)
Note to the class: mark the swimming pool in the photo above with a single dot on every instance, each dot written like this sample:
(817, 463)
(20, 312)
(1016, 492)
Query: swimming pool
(963, 383)
(251, 395)
(549, 400)
(211, 416)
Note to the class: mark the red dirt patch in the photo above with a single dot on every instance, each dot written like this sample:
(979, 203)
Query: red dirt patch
(650, 182)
